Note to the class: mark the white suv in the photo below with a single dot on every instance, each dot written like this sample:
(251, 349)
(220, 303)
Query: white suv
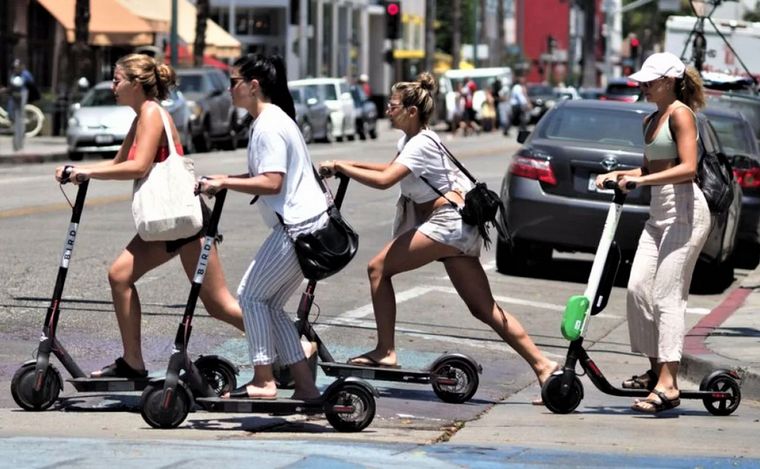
(336, 94)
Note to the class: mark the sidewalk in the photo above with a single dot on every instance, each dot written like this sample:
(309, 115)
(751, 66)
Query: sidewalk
(36, 150)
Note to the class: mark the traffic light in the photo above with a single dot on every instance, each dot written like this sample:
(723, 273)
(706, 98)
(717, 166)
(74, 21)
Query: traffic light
(392, 19)
(634, 49)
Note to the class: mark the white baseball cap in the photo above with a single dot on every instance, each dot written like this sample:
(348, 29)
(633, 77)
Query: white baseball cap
(661, 64)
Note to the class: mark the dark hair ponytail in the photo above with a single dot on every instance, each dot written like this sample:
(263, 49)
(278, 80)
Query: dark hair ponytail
(272, 77)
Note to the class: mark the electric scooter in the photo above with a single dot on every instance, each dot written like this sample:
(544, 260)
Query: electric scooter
(454, 376)
(347, 403)
(562, 392)
(37, 384)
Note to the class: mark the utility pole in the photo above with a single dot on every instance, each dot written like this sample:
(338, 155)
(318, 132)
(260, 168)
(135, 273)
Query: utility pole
(430, 13)
(475, 35)
(456, 33)
(173, 38)
(500, 34)
(199, 46)
(81, 37)
(589, 30)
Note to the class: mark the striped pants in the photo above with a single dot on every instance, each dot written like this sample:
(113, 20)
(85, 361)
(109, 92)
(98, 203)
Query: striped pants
(658, 288)
(271, 279)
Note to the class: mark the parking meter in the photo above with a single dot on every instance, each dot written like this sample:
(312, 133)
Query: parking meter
(19, 95)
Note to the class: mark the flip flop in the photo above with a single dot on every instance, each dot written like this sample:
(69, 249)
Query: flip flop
(119, 369)
(242, 393)
(369, 362)
(645, 381)
(658, 405)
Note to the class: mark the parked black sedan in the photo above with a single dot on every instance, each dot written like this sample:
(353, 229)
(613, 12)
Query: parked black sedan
(366, 118)
(552, 201)
(739, 143)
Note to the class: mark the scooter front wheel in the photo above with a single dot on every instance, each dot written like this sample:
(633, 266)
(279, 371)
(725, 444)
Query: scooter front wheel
(152, 405)
(22, 387)
(217, 374)
(721, 381)
(558, 400)
(455, 380)
(351, 408)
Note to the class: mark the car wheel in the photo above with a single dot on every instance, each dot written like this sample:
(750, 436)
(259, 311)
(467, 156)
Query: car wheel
(307, 131)
(521, 257)
(373, 132)
(328, 132)
(203, 141)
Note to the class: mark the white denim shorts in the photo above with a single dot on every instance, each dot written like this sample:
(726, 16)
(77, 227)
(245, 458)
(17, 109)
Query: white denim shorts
(445, 226)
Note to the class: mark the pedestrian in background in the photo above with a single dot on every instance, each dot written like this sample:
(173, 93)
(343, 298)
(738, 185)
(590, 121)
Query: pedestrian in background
(428, 228)
(292, 203)
(677, 228)
(22, 91)
(141, 83)
(520, 105)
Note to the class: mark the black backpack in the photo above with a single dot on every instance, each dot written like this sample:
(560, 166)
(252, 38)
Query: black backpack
(715, 177)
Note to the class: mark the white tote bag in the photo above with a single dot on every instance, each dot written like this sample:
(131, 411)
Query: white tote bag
(163, 203)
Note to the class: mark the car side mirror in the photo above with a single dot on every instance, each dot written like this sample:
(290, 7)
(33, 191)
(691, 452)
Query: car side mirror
(522, 136)
(312, 102)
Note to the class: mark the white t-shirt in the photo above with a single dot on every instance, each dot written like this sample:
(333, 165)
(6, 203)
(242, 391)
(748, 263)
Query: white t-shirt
(424, 158)
(518, 97)
(277, 146)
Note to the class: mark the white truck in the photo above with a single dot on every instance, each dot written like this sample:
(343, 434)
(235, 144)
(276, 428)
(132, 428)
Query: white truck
(743, 36)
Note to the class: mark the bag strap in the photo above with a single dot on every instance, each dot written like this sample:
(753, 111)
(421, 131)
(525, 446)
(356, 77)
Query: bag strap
(167, 129)
(451, 156)
(327, 193)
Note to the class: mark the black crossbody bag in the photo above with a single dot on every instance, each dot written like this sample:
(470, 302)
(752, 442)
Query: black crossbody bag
(481, 205)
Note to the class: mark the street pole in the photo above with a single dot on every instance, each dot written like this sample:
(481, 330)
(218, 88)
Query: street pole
(609, 20)
(430, 13)
(475, 33)
(589, 61)
(173, 35)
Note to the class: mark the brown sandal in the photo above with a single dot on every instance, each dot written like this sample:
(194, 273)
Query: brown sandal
(655, 406)
(646, 381)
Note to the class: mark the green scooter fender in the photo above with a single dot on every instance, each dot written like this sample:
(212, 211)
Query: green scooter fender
(572, 319)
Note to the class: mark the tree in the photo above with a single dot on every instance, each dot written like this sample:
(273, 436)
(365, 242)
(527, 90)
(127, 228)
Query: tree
(199, 46)
(81, 49)
(455, 22)
(753, 15)
(648, 22)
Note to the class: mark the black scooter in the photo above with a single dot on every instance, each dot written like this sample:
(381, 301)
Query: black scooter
(562, 392)
(454, 376)
(347, 403)
(37, 384)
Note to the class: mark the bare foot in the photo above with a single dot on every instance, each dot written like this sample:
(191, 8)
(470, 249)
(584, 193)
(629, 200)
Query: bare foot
(543, 375)
(252, 391)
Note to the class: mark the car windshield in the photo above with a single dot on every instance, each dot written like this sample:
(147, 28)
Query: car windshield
(622, 90)
(297, 94)
(99, 97)
(610, 127)
(731, 134)
(749, 106)
(540, 90)
(191, 83)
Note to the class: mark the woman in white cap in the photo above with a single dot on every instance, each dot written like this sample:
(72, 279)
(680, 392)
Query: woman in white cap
(679, 221)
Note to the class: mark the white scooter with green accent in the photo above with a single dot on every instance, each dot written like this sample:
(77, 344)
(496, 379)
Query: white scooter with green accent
(562, 392)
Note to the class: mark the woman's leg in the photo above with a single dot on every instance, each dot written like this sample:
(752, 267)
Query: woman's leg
(215, 295)
(408, 251)
(137, 258)
(270, 280)
(470, 281)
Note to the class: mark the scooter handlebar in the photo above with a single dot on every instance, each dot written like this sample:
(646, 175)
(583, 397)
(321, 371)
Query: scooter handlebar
(612, 184)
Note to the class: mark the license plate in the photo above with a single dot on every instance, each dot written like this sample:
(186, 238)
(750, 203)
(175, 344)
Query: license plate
(592, 185)
(104, 139)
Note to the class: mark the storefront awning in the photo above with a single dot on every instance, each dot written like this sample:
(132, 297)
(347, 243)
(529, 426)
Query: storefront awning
(110, 22)
(219, 42)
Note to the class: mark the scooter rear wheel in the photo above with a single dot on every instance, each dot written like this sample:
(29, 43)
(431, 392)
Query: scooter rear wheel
(22, 387)
(351, 408)
(217, 374)
(454, 369)
(152, 405)
(557, 401)
(721, 381)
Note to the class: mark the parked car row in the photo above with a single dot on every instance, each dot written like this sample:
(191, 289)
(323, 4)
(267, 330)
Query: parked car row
(327, 109)
(552, 202)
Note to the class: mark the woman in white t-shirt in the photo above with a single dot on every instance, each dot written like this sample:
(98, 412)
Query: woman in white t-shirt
(281, 173)
(428, 228)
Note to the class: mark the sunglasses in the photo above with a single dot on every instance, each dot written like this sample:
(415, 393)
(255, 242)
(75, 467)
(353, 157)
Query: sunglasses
(391, 106)
(234, 81)
(647, 84)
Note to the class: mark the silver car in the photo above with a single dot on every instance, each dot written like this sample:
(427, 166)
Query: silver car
(98, 125)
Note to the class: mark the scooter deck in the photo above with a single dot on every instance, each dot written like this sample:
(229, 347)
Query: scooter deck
(262, 406)
(379, 373)
(109, 384)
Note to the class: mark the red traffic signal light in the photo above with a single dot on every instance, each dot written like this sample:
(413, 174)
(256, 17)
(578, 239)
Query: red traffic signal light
(392, 19)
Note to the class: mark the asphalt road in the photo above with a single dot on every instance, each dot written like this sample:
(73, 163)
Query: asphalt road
(431, 318)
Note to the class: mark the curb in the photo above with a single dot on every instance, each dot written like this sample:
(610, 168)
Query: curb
(36, 157)
(698, 361)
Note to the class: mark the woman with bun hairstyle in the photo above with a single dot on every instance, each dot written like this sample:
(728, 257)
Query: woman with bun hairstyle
(428, 228)
(141, 83)
(677, 228)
